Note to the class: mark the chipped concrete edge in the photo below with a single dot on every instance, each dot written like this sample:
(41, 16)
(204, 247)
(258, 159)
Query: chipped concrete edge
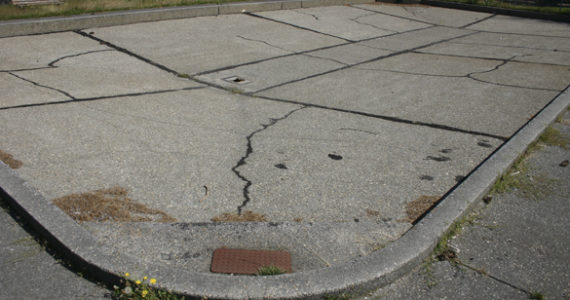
(58, 24)
(357, 276)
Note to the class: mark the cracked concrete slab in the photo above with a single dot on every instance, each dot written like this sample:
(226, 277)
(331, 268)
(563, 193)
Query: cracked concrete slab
(415, 39)
(436, 65)
(202, 44)
(538, 49)
(443, 280)
(350, 54)
(487, 108)
(38, 51)
(344, 22)
(528, 75)
(16, 91)
(328, 141)
(163, 148)
(270, 73)
(103, 74)
(328, 166)
(508, 24)
(428, 14)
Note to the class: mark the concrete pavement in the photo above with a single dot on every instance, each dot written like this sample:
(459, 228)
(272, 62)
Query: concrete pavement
(513, 247)
(333, 125)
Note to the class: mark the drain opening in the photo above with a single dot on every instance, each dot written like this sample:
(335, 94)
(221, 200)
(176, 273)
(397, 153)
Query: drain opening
(236, 79)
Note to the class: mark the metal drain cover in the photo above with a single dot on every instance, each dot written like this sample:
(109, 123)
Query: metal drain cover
(241, 261)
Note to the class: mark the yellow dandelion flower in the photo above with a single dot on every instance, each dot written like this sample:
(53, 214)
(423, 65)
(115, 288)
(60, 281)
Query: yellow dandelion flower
(138, 282)
(127, 274)
(152, 281)
(144, 292)
(145, 278)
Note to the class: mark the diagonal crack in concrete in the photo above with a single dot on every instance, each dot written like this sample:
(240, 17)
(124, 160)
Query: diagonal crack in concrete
(249, 151)
(43, 86)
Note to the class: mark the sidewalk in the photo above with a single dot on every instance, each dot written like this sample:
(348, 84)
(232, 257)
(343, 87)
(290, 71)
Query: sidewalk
(330, 130)
(514, 247)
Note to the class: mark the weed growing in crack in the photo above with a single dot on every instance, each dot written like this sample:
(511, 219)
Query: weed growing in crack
(518, 177)
(536, 296)
(183, 75)
(429, 277)
(443, 251)
(270, 270)
(553, 137)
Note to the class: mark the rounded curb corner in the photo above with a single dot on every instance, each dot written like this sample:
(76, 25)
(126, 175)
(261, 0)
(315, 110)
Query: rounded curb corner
(363, 274)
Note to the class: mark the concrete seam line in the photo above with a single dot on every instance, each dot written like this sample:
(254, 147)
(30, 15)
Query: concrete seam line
(59, 24)
(372, 271)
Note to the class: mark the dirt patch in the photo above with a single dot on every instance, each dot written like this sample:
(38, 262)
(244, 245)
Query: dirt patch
(419, 206)
(109, 205)
(9, 160)
(372, 213)
(247, 216)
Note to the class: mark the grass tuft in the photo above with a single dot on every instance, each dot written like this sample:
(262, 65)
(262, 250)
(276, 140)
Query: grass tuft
(536, 296)
(518, 179)
(270, 270)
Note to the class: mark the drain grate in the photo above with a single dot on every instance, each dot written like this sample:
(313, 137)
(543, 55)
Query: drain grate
(247, 262)
(237, 80)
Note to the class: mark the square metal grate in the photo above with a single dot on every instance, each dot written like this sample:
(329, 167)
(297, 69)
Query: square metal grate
(241, 261)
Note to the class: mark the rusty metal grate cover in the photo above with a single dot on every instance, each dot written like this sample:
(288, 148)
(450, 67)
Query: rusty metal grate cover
(241, 261)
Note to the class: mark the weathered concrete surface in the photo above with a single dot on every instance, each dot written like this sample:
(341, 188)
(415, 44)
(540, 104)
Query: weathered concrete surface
(516, 47)
(507, 24)
(196, 45)
(341, 119)
(344, 22)
(427, 14)
(28, 271)
(516, 245)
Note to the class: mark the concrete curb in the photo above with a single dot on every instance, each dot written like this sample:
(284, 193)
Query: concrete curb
(58, 24)
(366, 273)
(498, 10)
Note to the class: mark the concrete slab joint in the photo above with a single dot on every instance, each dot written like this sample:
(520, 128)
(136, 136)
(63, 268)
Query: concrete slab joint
(348, 136)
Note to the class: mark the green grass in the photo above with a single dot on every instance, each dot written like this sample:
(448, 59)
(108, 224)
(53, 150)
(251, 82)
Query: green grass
(554, 137)
(517, 178)
(270, 270)
(536, 296)
(506, 5)
(455, 229)
(78, 7)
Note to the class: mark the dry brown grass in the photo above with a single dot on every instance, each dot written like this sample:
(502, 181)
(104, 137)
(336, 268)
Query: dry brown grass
(108, 205)
(372, 212)
(8, 159)
(419, 206)
(247, 216)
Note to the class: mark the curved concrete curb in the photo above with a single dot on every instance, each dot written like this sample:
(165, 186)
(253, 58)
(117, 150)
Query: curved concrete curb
(372, 271)
(57, 24)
